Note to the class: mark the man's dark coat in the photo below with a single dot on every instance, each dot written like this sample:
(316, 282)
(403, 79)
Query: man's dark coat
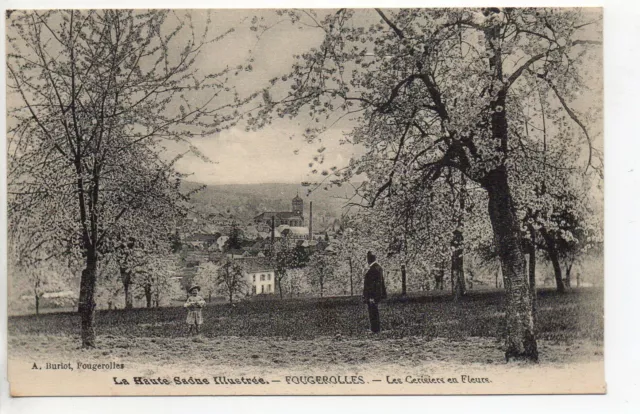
(374, 287)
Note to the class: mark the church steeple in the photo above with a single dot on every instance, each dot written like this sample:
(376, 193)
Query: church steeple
(297, 205)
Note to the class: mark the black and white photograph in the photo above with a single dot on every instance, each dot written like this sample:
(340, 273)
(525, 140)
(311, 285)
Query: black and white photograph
(355, 201)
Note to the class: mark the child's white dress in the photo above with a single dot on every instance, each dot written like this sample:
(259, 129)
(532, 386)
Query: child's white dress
(194, 304)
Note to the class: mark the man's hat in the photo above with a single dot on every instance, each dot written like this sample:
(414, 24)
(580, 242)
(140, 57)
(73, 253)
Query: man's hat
(371, 257)
(192, 288)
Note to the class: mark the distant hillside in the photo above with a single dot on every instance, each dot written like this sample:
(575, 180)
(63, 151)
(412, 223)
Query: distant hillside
(245, 201)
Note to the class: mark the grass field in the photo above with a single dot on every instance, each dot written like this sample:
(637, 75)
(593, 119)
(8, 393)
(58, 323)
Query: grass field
(577, 314)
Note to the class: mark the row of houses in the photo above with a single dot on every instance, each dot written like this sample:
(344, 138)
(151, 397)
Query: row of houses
(215, 242)
(256, 242)
(259, 273)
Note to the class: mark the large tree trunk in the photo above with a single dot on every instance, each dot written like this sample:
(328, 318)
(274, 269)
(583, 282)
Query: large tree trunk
(403, 271)
(37, 304)
(125, 276)
(460, 288)
(453, 286)
(351, 275)
(439, 276)
(457, 267)
(555, 260)
(457, 258)
(568, 274)
(148, 295)
(280, 286)
(532, 267)
(520, 334)
(87, 303)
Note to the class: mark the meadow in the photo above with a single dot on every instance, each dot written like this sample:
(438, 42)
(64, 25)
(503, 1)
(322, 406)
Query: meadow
(577, 314)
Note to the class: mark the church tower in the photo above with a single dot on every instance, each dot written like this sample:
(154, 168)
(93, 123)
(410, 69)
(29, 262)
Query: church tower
(297, 205)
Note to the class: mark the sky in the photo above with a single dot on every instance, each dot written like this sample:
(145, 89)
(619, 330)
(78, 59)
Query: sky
(266, 156)
(276, 153)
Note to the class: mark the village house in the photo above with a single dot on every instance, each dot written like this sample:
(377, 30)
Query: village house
(221, 241)
(237, 253)
(260, 276)
(296, 233)
(266, 235)
(201, 240)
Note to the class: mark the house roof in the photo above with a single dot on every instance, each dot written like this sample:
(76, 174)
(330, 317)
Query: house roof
(217, 256)
(279, 214)
(246, 243)
(298, 231)
(202, 237)
(256, 264)
(266, 235)
(261, 244)
(308, 243)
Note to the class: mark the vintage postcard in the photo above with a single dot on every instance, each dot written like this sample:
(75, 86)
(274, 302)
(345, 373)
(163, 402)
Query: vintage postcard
(305, 201)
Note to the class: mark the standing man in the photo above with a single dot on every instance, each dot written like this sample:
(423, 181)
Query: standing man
(374, 291)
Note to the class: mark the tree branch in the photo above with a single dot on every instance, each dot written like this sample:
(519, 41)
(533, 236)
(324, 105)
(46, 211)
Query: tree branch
(395, 28)
(574, 117)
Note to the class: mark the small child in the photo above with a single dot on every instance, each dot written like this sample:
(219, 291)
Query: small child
(194, 305)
